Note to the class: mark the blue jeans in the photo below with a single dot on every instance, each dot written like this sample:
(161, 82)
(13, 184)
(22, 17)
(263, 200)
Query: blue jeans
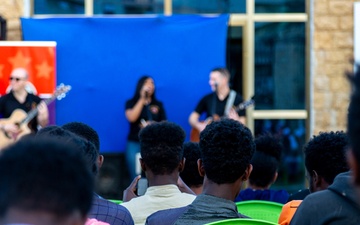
(132, 148)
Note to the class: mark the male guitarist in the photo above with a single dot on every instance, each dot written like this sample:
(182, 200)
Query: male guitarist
(19, 98)
(218, 103)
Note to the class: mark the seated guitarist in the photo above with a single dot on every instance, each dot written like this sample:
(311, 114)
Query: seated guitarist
(219, 103)
(19, 98)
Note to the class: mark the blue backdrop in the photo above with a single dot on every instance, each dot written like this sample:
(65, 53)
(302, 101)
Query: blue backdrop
(102, 59)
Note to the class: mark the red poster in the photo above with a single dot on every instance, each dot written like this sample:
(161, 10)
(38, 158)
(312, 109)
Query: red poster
(38, 58)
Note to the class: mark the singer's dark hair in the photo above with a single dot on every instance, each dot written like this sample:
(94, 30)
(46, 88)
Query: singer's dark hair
(139, 85)
(223, 71)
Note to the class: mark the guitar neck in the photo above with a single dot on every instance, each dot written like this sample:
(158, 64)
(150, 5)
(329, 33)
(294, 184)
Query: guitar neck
(34, 112)
(244, 105)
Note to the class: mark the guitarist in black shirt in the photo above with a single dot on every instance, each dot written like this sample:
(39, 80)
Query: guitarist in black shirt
(219, 103)
(19, 98)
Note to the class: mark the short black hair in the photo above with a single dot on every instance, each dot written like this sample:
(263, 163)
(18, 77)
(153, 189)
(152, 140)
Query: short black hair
(353, 118)
(190, 175)
(265, 160)
(226, 149)
(223, 71)
(85, 131)
(326, 154)
(86, 147)
(44, 174)
(161, 146)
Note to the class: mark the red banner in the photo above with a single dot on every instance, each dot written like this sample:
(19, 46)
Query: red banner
(38, 58)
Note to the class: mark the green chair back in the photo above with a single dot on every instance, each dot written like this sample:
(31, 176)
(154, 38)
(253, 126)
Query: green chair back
(115, 201)
(262, 210)
(242, 221)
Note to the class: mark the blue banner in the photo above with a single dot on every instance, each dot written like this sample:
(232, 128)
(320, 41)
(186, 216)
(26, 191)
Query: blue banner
(102, 59)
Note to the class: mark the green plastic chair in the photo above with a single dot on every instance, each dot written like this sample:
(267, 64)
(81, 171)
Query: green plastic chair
(262, 210)
(242, 221)
(115, 201)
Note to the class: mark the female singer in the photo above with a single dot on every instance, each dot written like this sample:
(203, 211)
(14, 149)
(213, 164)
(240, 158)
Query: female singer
(142, 109)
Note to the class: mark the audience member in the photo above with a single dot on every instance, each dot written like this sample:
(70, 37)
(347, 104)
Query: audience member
(161, 148)
(87, 148)
(190, 175)
(44, 182)
(226, 148)
(265, 162)
(88, 133)
(327, 171)
(101, 209)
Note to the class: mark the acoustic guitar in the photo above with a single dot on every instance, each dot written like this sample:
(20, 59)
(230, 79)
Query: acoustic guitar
(195, 133)
(21, 119)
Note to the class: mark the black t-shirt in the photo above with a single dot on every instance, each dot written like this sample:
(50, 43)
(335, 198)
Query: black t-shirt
(153, 112)
(206, 105)
(8, 104)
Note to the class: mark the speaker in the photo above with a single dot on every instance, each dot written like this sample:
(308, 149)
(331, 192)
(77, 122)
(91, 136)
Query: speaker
(2, 28)
(113, 177)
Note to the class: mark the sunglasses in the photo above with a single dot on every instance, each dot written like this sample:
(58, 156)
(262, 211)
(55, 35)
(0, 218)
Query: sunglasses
(15, 78)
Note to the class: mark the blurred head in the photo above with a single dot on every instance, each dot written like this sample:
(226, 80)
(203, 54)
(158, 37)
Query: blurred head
(84, 146)
(161, 148)
(325, 158)
(265, 161)
(219, 76)
(84, 131)
(226, 149)
(18, 79)
(353, 125)
(44, 181)
(147, 83)
(190, 175)
(88, 133)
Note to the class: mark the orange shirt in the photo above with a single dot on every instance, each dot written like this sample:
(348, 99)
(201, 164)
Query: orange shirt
(288, 212)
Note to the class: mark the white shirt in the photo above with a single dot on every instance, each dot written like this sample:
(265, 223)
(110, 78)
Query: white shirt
(157, 198)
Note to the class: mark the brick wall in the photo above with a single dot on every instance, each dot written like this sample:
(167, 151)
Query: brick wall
(11, 10)
(332, 51)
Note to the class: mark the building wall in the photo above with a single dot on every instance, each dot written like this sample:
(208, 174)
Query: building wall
(332, 50)
(11, 10)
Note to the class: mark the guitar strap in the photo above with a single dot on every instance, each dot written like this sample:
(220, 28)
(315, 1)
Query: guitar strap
(229, 102)
(213, 105)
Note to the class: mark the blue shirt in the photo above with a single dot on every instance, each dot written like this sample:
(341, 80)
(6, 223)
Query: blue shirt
(109, 212)
(280, 196)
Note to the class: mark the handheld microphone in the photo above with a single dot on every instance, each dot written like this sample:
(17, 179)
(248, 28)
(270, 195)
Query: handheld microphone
(216, 86)
(146, 94)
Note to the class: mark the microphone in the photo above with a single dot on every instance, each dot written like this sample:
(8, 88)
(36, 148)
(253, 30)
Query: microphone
(216, 86)
(146, 94)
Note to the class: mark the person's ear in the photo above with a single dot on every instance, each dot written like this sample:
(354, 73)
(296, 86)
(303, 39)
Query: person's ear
(100, 161)
(354, 166)
(142, 164)
(247, 172)
(182, 165)
(318, 181)
(201, 168)
(275, 177)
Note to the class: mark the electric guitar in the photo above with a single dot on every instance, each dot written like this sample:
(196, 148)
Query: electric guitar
(195, 133)
(21, 119)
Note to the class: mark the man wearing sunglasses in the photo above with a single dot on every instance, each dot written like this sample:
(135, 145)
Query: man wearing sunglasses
(19, 98)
